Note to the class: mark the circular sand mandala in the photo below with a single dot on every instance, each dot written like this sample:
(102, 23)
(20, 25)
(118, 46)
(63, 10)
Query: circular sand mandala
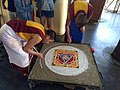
(66, 60)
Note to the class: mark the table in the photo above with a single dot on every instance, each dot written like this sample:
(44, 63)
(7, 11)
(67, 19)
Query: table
(90, 78)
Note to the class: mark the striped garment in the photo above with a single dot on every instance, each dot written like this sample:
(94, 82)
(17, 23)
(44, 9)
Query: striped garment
(14, 35)
(26, 29)
(82, 6)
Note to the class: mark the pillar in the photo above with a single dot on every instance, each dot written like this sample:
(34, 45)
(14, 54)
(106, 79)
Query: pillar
(61, 8)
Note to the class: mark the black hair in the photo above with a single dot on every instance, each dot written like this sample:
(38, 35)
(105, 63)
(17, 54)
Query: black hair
(52, 34)
(82, 20)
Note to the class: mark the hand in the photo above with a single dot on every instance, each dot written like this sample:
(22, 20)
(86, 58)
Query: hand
(39, 55)
(82, 29)
(69, 40)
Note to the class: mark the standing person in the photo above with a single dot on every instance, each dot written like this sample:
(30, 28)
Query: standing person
(46, 9)
(19, 37)
(11, 8)
(24, 9)
(80, 12)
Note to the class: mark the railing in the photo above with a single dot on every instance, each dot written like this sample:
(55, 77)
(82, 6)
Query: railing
(114, 3)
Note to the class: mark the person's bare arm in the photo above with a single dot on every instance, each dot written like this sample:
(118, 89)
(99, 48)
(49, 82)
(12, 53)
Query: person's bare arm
(29, 46)
(91, 11)
(68, 28)
(3, 3)
(89, 17)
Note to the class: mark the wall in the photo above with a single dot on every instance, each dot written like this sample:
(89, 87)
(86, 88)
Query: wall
(98, 8)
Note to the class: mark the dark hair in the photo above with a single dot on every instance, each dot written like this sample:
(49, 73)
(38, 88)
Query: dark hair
(82, 19)
(52, 34)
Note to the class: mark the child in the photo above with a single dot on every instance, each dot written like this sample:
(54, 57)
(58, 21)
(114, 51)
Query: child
(46, 9)
(11, 8)
(80, 12)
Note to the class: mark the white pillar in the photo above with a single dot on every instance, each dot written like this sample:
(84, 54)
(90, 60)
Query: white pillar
(61, 8)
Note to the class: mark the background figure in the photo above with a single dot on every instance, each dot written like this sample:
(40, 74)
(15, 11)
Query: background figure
(79, 13)
(46, 9)
(11, 8)
(25, 35)
(24, 9)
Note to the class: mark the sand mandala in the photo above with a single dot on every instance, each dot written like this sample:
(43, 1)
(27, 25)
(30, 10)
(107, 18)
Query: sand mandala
(66, 60)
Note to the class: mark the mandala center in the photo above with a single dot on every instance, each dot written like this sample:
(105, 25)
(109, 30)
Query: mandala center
(65, 58)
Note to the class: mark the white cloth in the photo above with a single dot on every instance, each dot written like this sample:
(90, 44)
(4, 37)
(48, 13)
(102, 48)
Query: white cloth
(13, 45)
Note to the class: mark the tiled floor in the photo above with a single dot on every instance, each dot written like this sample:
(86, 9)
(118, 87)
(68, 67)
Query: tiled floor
(101, 35)
(104, 36)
